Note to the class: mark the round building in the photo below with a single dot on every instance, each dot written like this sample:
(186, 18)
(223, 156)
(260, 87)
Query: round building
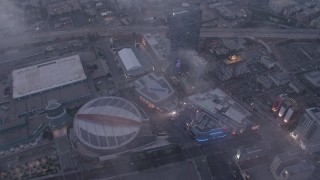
(109, 125)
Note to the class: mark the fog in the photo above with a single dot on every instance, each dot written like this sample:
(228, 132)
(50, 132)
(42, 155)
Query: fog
(197, 67)
(144, 3)
(11, 17)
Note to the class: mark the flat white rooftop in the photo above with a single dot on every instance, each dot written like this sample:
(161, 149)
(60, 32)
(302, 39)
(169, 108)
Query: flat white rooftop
(129, 59)
(52, 74)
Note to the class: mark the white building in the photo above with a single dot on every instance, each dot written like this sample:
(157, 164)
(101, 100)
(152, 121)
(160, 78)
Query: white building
(47, 76)
(133, 62)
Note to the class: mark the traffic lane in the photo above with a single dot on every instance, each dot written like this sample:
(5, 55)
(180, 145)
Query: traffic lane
(121, 166)
(223, 169)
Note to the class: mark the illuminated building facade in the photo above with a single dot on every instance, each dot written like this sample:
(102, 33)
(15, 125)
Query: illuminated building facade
(307, 132)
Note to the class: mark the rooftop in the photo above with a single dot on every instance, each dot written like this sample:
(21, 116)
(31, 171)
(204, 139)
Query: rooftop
(234, 44)
(235, 58)
(267, 60)
(314, 78)
(280, 76)
(217, 102)
(158, 43)
(153, 87)
(205, 123)
(129, 59)
(251, 151)
(296, 85)
(107, 123)
(299, 168)
(314, 113)
(49, 75)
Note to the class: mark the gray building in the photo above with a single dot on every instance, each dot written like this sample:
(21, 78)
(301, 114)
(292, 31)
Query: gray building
(280, 78)
(56, 114)
(222, 110)
(268, 61)
(279, 5)
(232, 67)
(205, 127)
(288, 166)
(313, 78)
(250, 152)
(307, 132)
(184, 27)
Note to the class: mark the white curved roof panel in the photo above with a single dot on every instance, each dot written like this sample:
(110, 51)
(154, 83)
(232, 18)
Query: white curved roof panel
(107, 123)
(129, 59)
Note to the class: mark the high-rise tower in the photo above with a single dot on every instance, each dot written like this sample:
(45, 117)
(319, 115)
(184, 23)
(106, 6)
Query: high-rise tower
(184, 27)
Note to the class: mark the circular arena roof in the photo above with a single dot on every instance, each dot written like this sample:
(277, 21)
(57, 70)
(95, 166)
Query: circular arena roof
(107, 123)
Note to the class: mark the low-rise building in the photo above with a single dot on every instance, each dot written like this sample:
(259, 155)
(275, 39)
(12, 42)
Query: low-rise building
(280, 78)
(156, 44)
(313, 78)
(296, 86)
(265, 81)
(224, 109)
(205, 127)
(250, 152)
(289, 166)
(58, 7)
(47, 76)
(232, 67)
(268, 61)
(279, 5)
(63, 79)
(307, 132)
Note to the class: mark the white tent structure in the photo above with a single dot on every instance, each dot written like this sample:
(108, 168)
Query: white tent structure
(129, 59)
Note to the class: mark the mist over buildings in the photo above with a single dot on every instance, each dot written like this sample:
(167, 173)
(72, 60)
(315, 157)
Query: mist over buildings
(144, 3)
(11, 17)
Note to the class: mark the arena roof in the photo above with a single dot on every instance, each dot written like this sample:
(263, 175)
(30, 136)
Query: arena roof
(48, 75)
(153, 87)
(129, 59)
(107, 123)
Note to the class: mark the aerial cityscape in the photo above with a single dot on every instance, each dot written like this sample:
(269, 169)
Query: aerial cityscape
(160, 89)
